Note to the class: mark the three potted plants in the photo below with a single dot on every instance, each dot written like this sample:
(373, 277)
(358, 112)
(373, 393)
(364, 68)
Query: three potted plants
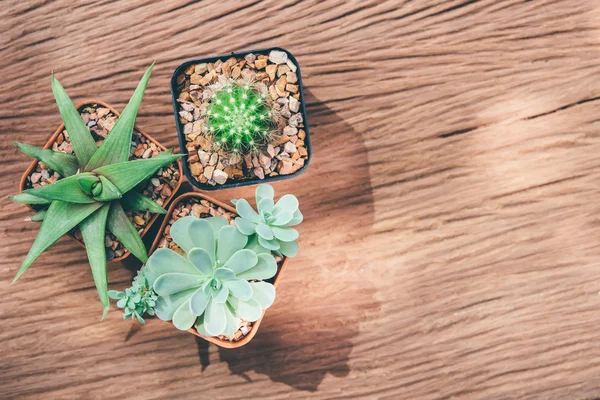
(212, 269)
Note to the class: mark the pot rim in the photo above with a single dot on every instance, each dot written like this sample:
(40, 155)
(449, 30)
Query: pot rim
(219, 342)
(51, 141)
(181, 136)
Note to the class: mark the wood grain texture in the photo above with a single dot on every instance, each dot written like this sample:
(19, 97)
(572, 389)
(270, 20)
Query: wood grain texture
(449, 248)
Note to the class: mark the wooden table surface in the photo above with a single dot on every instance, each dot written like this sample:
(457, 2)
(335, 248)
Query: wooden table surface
(452, 205)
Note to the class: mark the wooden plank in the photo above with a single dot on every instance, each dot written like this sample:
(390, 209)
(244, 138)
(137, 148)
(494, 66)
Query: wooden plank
(449, 246)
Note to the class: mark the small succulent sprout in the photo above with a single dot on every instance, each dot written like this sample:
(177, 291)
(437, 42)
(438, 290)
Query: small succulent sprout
(209, 287)
(137, 300)
(270, 226)
(240, 118)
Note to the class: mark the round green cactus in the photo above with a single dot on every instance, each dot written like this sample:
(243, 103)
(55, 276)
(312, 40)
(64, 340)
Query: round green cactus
(239, 118)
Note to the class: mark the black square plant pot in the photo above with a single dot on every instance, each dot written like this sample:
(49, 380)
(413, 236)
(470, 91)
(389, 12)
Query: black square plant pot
(232, 183)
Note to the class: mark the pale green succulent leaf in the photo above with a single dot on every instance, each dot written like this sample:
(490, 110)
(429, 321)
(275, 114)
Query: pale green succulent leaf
(264, 191)
(245, 226)
(180, 232)
(199, 301)
(202, 235)
(224, 274)
(39, 216)
(268, 244)
(220, 295)
(166, 306)
(289, 249)
(126, 175)
(241, 261)
(60, 219)
(217, 223)
(264, 231)
(28, 198)
(249, 310)
(263, 293)
(298, 218)
(183, 319)
(109, 191)
(66, 189)
(133, 200)
(200, 326)
(214, 318)
(230, 241)
(233, 323)
(93, 229)
(287, 202)
(281, 219)
(63, 163)
(201, 260)
(285, 234)
(120, 225)
(246, 211)
(265, 268)
(164, 260)
(115, 148)
(174, 282)
(115, 294)
(265, 206)
(83, 143)
(239, 288)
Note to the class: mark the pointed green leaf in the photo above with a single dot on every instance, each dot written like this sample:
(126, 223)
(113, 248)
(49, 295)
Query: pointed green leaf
(66, 189)
(87, 182)
(60, 219)
(108, 191)
(63, 163)
(28, 198)
(83, 143)
(134, 200)
(126, 175)
(93, 229)
(115, 148)
(123, 229)
(39, 216)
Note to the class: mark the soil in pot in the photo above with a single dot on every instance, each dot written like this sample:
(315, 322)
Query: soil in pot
(161, 188)
(288, 150)
(193, 204)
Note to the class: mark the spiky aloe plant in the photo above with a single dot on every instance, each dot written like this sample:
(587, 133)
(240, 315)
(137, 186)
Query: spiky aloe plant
(97, 184)
(239, 117)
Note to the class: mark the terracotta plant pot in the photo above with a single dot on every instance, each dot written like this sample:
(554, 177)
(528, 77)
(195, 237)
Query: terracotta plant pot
(275, 280)
(51, 141)
(231, 183)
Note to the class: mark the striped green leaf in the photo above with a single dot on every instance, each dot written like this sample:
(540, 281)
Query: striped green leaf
(115, 148)
(93, 229)
(39, 216)
(63, 163)
(109, 191)
(133, 200)
(123, 229)
(66, 189)
(28, 198)
(126, 175)
(83, 143)
(60, 219)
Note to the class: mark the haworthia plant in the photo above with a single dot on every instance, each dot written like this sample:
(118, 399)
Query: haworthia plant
(216, 284)
(270, 227)
(97, 184)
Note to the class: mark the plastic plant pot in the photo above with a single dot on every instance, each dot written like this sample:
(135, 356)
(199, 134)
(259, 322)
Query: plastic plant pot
(275, 280)
(51, 141)
(232, 183)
